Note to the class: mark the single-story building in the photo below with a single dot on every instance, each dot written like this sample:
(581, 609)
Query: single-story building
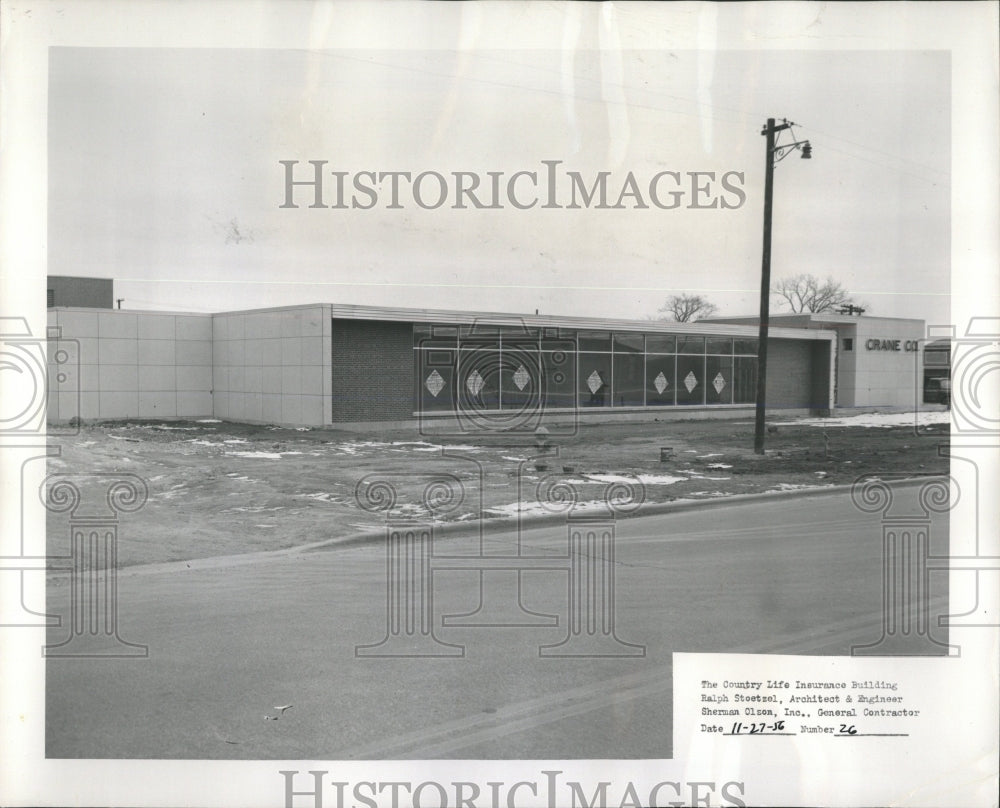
(878, 360)
(330, 364)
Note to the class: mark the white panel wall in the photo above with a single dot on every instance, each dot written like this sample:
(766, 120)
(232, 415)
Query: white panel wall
(887, 378)
(124, 364)
(273, 366)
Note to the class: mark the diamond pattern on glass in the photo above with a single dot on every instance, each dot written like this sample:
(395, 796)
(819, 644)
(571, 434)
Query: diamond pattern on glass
(521, 377)
(595, 382)
(475, 383)
(660, 383)
(718, 383)
(690, 381)
(434, 383)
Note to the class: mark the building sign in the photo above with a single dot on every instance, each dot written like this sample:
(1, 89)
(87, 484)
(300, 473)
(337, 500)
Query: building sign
(892, 345)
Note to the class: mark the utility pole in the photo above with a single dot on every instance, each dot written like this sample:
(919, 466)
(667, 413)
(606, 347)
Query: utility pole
(773, 155)
(120, 300)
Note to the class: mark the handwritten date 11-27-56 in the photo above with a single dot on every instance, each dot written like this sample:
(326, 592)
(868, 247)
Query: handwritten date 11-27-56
(739, 728)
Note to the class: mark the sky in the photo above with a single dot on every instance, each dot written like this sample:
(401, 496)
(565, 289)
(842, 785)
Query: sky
(165, 172)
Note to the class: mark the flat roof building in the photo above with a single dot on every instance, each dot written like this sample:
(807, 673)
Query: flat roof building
(92, 293)
(878, 360)
(331, 364)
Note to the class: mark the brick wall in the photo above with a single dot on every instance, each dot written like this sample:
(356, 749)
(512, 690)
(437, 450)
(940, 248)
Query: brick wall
(372, 370)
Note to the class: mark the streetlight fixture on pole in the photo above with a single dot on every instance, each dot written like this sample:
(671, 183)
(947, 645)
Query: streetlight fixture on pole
(775, 154)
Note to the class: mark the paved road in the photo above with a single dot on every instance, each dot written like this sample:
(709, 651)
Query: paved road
(228, 644)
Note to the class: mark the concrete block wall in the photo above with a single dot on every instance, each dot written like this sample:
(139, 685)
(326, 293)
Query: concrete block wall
(372, 370)
(273, 366)
(125, 364)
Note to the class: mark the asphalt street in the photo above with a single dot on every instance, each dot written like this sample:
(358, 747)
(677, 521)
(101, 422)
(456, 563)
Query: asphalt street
(228, 645)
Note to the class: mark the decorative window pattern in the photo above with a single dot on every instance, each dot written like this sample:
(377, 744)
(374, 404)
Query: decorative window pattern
(484, 368)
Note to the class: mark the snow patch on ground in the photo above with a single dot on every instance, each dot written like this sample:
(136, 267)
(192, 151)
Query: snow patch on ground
(324, 496)
(645, 479)
(881, 420)
(256, 455)
(533, 508)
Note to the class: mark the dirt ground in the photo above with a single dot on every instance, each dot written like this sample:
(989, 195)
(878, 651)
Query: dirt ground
(218, 488)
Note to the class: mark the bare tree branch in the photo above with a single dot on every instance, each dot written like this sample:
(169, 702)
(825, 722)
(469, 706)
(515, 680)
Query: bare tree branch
(807, 293)
(686, 308)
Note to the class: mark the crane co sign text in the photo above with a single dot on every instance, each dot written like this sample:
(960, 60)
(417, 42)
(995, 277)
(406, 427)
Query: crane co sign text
(874, 344)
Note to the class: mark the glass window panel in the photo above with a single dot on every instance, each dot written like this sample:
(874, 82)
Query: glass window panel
(936, 358)
(479, 330)
(567, 344)
(479, 380)
(627, 379)
(437, 336)
(519, 380)
(522, 342)
(594, 380)
(520, 332)
(745, 380)
(691, 345)
(719, 379)
(690, 380)
(558, 380)
(628, 343)
(719, 345)
(660, 343)
(594, 340)
(557, 339)
(480, 344)
(745, 346)
(660, 380)
(434, 373)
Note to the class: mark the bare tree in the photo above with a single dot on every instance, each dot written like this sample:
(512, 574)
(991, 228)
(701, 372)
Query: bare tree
(686, 308)
(807, 293)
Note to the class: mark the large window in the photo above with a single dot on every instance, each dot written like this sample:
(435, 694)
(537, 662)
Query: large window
(479, 378)
(745, 380)
(594, 380)
(434, 374)
(718, 380)
(660, 380)
(490, 368)
(558, 379)
(628, 380)
(690, 379)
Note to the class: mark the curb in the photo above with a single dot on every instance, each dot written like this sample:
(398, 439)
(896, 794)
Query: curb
(487, 526)
(537, 521)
